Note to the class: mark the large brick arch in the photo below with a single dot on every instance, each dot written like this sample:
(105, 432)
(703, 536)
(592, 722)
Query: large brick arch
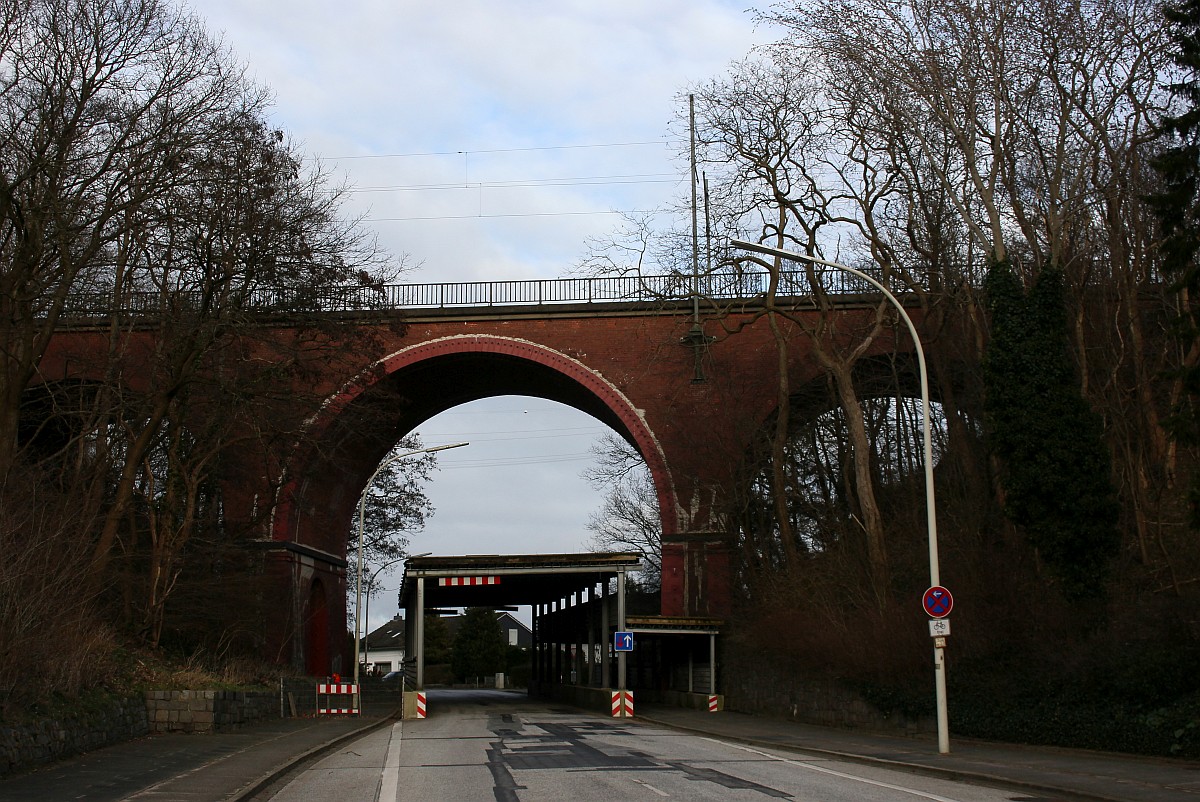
(360, 423)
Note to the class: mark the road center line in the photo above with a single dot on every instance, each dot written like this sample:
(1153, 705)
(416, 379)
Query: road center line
(645, 784)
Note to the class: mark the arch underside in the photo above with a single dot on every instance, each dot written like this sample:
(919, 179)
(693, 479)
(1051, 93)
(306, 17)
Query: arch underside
(886, 376)
(414, 385)
(405, 399)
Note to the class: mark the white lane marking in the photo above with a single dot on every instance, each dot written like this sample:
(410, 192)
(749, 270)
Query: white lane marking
(651, 787)
(811, 767)
(389, 784)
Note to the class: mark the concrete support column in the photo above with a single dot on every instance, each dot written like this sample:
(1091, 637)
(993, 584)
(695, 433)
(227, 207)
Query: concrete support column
(691, 679)
(605, 639)
(578, 619)
(548, 643)
(712, 664)
(420, 628)
(556, 667)
(594, 637)
(533, 649)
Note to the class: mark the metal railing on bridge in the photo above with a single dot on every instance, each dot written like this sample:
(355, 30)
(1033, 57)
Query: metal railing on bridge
(668, 288)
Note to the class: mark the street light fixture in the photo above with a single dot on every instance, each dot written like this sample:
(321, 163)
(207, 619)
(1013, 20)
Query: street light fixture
(362, 507)
(366, 656)
(939, 657)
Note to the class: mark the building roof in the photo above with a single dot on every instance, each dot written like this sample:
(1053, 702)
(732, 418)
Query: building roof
(388, 636)
(498, 580)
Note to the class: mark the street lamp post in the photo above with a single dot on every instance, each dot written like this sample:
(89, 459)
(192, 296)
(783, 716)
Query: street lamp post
(362, 507)
(366, 657)
(939, 657)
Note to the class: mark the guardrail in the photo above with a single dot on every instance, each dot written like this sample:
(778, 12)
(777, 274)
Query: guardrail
(536, 292)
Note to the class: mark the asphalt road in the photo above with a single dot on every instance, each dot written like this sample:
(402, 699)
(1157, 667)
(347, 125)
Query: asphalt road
(484, 745)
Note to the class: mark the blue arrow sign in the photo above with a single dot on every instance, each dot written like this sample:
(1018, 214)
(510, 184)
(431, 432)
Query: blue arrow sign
(623, 641)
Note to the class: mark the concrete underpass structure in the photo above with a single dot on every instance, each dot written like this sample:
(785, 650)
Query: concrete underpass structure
(579, 608)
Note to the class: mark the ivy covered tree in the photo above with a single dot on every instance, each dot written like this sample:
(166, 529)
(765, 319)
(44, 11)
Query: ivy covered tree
(1054, 467)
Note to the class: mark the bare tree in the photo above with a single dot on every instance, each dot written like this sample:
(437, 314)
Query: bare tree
(766, 125)
(628, 519)
(247, 223)
(141, 181)
(396, 505)
(98, 101)
(1032, 122)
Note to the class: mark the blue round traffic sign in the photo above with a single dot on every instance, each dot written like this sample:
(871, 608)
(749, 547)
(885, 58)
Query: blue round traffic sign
(937, 601)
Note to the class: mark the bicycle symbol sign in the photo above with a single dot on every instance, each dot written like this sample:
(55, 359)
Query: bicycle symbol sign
(937, 601)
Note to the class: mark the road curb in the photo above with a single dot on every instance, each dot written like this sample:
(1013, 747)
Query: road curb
(248, 791)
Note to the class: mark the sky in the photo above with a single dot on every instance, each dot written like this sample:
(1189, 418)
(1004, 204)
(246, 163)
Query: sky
(489, 140)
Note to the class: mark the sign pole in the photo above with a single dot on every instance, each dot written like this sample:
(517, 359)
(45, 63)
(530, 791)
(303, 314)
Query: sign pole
(938, 602)
(943, 716)
(621, 628)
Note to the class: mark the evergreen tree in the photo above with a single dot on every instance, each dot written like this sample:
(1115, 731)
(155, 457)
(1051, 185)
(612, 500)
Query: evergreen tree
(1177, 205)
(479, 647)
(1054, 465)
(437, 640)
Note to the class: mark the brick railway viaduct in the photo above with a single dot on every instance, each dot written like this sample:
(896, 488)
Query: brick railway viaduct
(691, 405)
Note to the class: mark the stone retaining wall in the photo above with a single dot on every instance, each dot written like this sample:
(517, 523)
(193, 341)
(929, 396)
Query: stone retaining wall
(208, 711)
(27, 745)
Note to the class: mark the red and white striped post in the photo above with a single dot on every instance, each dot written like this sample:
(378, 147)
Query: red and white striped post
(622, 704)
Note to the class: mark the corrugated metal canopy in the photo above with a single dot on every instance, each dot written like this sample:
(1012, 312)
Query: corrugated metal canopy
(496, 580)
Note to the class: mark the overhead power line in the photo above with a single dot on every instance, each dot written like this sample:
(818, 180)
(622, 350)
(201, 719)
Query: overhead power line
(503, 150)
(518, 434)
(583, 181)
(502, 462)
(499, 216)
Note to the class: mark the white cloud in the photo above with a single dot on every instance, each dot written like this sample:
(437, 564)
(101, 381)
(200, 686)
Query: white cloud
(478, 80)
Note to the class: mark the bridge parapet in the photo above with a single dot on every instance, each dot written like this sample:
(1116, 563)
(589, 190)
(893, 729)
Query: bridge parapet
(669, 288)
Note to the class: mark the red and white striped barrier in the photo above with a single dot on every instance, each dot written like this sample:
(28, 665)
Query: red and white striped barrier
(714, 703)
(420, 704)
(622, 704)
(337, 689)
(464, 581)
